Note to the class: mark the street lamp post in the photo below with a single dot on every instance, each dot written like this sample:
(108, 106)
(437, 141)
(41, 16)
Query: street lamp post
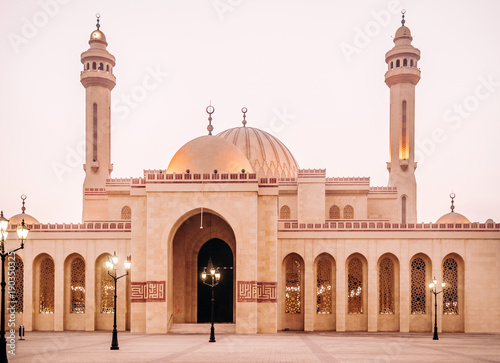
(433, 287)
(214, 281)
(22, 233)
(111, 265)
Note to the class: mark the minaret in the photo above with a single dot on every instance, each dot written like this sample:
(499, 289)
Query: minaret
(401, 77)
(98, 79)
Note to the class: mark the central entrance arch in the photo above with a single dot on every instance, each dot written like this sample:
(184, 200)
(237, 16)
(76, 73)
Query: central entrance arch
(219, 253)
(193, 243)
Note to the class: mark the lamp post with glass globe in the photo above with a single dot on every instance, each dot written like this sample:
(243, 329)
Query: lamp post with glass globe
(111, 265)
(22, 233)
(214, 281)
(433, 287)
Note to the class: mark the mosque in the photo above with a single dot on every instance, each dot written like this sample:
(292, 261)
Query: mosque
(296, 249)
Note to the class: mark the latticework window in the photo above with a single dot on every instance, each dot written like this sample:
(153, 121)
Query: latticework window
(285, 212)
(355, 287)
(418, 286)
(450, 290)
(334, 212)
(348, 212)
(78, 286)
(126, 213)
(386, 286)
(17, 296)
(324, 287)
(292, 293)
(47, 286)
(107, 293)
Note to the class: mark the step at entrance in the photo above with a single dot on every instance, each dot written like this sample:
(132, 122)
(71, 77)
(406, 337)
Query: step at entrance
(193, 328)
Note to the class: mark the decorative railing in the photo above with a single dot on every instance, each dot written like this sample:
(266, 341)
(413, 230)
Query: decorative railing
(162, 176)
(383, 189)
(364, 180)
(106, 226)
(384, 226)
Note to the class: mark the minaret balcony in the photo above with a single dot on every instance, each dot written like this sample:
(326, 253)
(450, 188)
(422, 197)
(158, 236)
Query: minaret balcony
(98, 78)
(402, 75)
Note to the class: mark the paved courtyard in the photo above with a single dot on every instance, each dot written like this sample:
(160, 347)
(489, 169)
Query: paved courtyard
(84, 347)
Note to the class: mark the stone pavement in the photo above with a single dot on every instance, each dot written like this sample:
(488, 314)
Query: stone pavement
(86, 347)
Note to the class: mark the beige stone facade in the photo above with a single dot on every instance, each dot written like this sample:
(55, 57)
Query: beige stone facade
(297, 250)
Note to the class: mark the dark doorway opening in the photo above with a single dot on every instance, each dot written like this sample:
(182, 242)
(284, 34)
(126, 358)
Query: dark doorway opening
(222, 257)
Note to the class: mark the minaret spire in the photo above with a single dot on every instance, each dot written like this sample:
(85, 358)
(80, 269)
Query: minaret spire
(401, 77)
(244, 110)
(210, 111)
(98, 79)
(23, 198)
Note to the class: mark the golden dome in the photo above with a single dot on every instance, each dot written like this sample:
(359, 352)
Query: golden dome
(453, 217)
(98, 36)
(18, 218)
(208, 153)
(268, 156)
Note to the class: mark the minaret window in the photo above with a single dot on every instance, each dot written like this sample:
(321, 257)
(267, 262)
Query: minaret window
(101, 66)
(94, 133)
(397, 63)
(94, 65)
(392, 64)
(405, 62)
(107, 67)
(411, 62)
(88, 66)
(404, 146)
(403, 209)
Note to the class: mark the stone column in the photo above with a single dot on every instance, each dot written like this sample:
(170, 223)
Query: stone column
(59, 287)
(341, 288)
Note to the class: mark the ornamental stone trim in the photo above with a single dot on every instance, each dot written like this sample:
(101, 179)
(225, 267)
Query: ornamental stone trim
(257, 291)
(148, 291)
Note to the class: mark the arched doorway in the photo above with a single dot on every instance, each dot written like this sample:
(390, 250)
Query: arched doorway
(192, 246)
(220, 255)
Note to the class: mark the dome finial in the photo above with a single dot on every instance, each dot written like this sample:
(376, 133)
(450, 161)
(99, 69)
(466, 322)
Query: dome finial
(210, 111)
(452, 196)
(97, 17)
(23, 197)
(244, 110)
(403, 21)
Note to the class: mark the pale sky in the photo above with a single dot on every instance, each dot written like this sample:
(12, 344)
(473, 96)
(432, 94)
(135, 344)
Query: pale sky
(309, 72)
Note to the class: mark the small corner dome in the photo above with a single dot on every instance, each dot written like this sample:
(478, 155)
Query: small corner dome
(18, 218)
(208, 153)
(453, 217)
(97, 35)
